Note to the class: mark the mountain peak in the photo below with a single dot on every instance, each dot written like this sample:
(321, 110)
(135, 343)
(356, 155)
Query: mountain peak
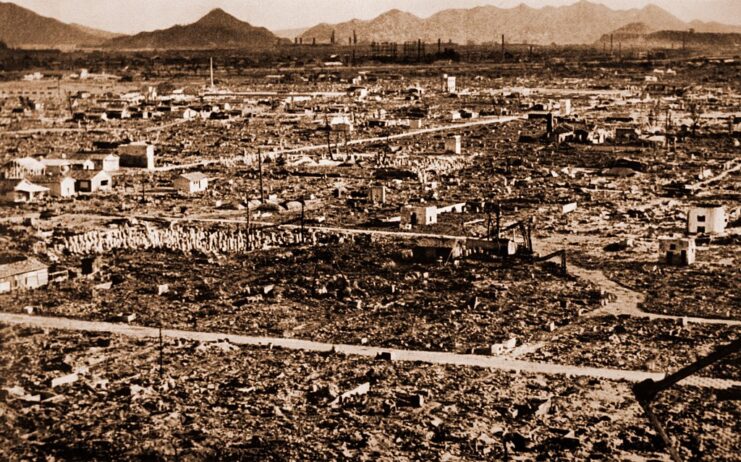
(217, 29)
(218, 17)
(396, 13)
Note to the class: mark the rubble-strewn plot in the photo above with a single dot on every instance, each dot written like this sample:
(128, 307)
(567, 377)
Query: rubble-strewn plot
(339, 293)
(711, 288)
(199, 401)
(633, 343)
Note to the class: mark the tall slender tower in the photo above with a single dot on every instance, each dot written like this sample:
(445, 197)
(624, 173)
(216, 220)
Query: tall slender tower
(212, 73)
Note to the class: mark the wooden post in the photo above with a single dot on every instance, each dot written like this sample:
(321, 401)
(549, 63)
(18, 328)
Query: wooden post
(161, 353)
(563, 263)
(302, 220)
(262, 190)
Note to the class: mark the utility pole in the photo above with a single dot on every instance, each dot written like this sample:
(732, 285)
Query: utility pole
(499, 221)
(303, 203)
(161, 353)
(329, 137)
(262, 190)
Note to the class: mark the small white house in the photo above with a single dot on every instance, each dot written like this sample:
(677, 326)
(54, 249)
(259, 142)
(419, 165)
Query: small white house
(106, 161)
(706, 219)
(59, 185)
(90, 181)
(190, 183)
(23, 275)
(418, 216)
(16, 191)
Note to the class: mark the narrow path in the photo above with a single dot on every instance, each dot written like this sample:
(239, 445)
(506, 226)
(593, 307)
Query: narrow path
(626, 301)
(492, 362)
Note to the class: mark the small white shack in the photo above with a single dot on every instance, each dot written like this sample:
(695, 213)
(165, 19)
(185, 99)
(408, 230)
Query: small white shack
(191, 183)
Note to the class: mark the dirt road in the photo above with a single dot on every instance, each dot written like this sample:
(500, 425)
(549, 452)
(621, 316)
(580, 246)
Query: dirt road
(491, 362)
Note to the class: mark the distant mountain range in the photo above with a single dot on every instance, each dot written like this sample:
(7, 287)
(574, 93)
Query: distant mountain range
(217, 29)
(580, 23)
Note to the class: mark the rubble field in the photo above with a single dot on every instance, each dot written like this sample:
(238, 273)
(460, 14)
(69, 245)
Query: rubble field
(101, 397)
(348, 292)
(624, 342)
(174, 199)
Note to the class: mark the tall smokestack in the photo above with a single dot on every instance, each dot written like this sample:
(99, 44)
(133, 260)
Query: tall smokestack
(212, 72)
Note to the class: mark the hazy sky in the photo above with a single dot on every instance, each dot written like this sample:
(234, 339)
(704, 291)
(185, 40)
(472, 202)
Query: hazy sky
(131, 16)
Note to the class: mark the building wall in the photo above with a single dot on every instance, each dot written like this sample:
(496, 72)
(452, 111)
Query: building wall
(678, 252)
(111, 164)
(453, 144)
(188, 187)
(102, 183)
(378, 194)
(706, 220)
(418, 216)
(30, 280)
(65, 188)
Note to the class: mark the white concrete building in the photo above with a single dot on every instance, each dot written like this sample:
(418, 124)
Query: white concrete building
(706, 219)
(418, 216)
